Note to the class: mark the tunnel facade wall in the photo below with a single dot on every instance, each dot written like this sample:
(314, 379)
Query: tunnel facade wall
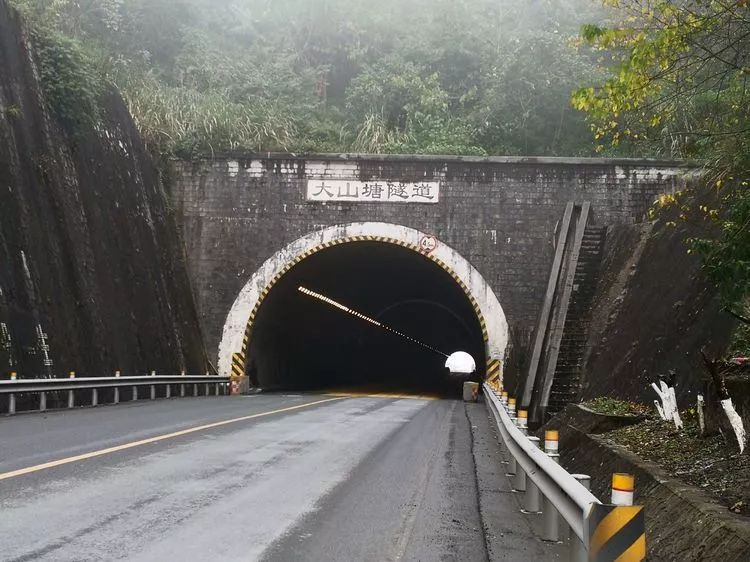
(498, 213)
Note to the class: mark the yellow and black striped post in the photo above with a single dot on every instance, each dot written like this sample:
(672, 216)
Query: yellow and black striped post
(238, 373)
(493, 374)
(616, 533)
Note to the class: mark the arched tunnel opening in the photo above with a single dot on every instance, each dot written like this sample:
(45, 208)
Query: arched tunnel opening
(299, 342)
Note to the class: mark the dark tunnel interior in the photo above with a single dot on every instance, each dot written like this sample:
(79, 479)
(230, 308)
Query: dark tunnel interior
(299, 342)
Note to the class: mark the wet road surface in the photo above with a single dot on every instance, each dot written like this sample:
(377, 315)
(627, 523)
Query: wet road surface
(265, 477)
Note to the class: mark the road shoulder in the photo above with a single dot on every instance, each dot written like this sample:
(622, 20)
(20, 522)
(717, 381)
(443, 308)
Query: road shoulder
(509, 534)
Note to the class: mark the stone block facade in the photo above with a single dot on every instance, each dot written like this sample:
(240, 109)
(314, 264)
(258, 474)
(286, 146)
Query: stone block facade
(499, 213)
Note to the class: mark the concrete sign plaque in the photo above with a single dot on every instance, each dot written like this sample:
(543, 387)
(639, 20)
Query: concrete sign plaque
(375, 191)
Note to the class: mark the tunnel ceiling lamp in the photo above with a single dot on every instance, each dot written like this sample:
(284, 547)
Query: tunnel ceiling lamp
(340, 306)
(461, 362)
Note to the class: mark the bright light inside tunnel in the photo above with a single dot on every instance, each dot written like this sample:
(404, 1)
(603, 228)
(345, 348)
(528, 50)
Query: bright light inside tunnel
(394, 311)
(460, 362)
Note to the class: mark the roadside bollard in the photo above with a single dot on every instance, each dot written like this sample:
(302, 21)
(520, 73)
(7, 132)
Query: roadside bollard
(71, 396)
(551, 516)
(551, 438)
(623, 486)
(504, 398)
(531, 501)
(116, 397)
(578, 552)
(523, 421)
(12, 397)
(153, 386)
(512, 407)
(182, 386)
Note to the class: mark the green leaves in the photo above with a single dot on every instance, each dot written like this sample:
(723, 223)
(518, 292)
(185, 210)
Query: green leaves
(205, 76)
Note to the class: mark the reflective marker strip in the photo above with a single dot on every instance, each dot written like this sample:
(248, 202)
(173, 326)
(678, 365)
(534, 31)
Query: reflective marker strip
(156, 439)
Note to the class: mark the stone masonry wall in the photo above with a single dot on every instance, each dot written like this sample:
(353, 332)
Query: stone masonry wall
(499, 213)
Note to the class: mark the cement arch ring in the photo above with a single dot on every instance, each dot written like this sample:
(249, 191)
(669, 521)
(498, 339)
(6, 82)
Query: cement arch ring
(239, 323)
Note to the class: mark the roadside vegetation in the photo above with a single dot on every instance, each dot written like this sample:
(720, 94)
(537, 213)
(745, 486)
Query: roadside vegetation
(426, 76)
(706, 461)
(614, 407)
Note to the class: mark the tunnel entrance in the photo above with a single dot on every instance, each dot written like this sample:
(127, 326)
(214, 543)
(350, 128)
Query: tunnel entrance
(299, 342)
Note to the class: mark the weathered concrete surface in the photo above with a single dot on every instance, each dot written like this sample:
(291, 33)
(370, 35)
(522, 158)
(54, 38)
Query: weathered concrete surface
(498, 213)
(653, 312)
(352, 479)
(682, 523)
(92, 276)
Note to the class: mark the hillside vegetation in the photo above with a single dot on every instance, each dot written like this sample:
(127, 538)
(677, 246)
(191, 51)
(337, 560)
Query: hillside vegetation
(428, 76)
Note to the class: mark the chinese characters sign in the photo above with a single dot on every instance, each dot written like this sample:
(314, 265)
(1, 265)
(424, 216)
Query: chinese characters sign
(373, 191)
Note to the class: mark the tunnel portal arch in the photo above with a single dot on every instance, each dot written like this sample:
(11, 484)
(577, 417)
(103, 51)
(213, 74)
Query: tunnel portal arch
(238, 326)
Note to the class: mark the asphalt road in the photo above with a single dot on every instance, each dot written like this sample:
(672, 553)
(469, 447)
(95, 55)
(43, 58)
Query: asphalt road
(267, 477)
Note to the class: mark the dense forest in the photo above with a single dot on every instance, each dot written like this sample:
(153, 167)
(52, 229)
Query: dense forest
(661, 78)
(429, 76)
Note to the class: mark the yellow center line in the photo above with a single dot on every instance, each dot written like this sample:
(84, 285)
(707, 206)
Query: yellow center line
(99, 453)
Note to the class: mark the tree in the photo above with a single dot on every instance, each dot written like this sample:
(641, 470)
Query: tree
(678, 86)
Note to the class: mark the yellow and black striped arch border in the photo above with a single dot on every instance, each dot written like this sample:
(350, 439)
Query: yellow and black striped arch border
(364, 238)
(616, 533)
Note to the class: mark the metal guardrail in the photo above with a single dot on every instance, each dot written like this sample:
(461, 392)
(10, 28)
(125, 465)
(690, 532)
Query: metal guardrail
(71, 384)
(562, 493)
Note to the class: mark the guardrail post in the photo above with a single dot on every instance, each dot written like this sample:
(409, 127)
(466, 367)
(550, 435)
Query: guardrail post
(623, 487)
(94, 397)
(153, 386)
(578, 550)
(42, 401)
(551, 516)
(522, 421)
(182, 386)
(217, 388)
(532, 502)
(195, 389)
(71, 396)
(168, 393)
(519, 482)
(12, 397)
(512, 407)
(116, 399)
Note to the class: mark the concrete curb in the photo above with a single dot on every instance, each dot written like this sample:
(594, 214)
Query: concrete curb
(682, 522)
